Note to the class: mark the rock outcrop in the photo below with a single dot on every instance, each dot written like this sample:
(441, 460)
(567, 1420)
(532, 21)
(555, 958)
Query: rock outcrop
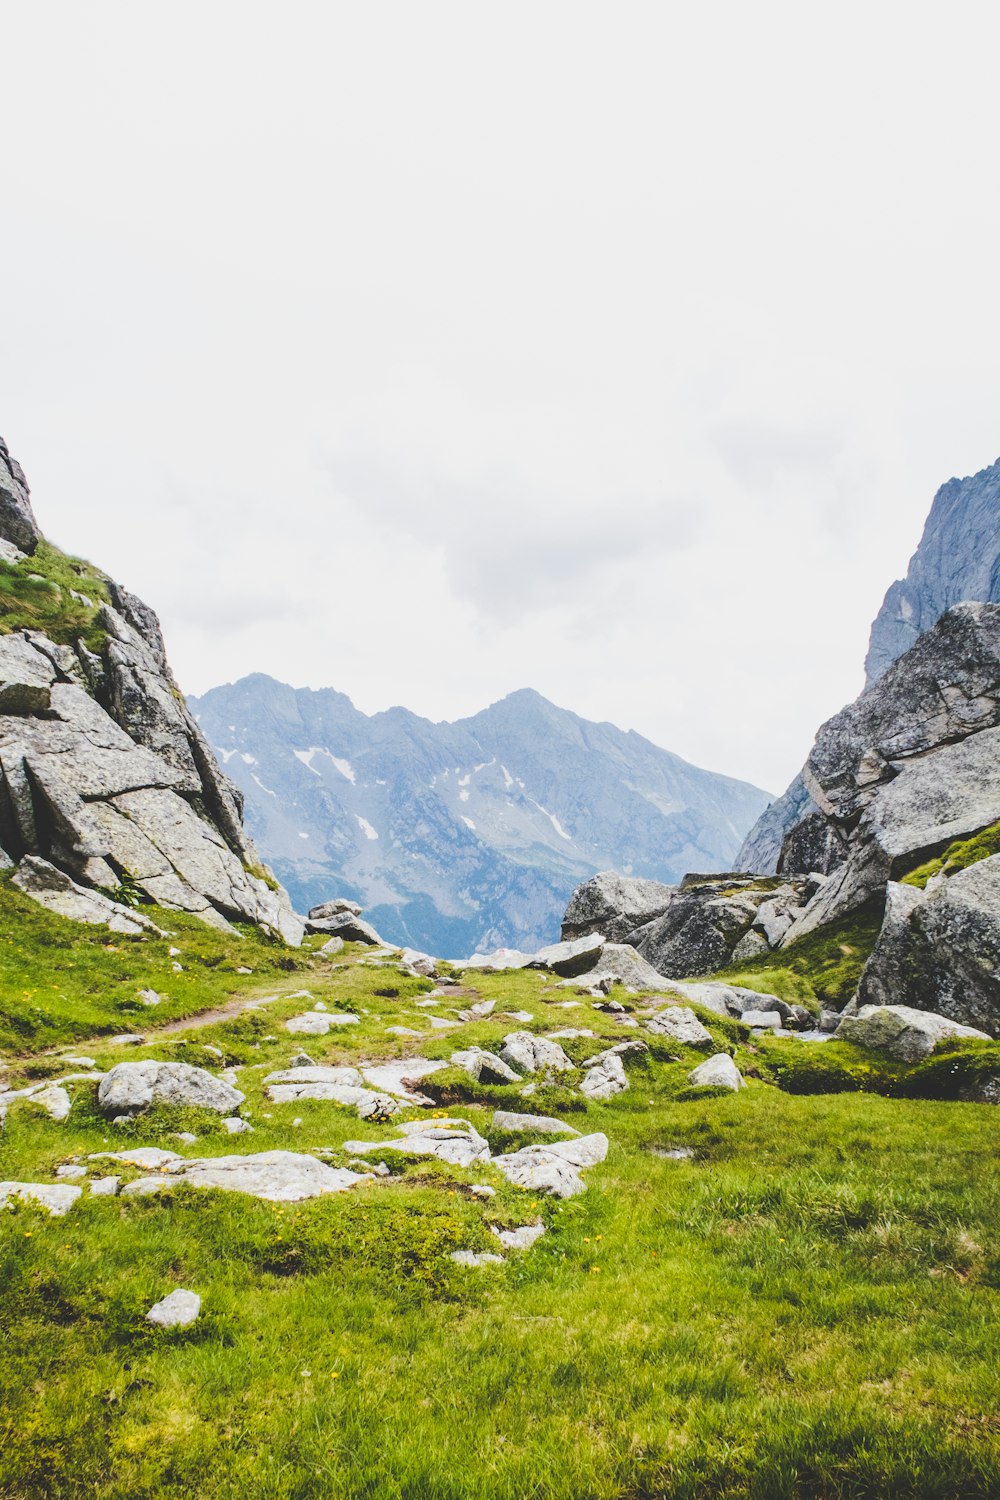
(104, 773)
(897, 776)
(901, 1031)
(958, 558)
(670, 932)
(939, 948)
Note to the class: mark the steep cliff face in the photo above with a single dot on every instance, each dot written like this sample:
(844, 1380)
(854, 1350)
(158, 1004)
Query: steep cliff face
(958, 558)
(104, 773)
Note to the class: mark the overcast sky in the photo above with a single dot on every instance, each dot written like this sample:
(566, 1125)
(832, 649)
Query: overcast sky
(428, 351)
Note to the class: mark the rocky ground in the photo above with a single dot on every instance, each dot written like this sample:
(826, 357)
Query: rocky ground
(351, 1227)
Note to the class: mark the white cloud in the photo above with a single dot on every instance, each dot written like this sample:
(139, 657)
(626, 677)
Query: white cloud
(430, 352)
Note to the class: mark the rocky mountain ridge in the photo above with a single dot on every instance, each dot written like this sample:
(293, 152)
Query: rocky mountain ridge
(107, 786)
(465, 836)
(958, 559)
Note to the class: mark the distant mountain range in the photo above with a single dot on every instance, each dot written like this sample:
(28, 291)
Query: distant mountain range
(464, 836)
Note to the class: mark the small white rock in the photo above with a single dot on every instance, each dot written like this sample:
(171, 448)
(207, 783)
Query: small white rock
(178, 1310)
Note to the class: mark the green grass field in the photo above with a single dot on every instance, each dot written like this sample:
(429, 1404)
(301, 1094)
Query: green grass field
(808, 1305)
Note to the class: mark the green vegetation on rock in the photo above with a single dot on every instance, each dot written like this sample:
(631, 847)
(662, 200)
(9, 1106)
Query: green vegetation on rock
(822, 968)
(957, 856)
(37, 594)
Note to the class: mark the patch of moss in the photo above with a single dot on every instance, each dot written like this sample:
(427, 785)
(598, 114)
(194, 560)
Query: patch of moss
(37, 594)
(955, 1070)
(958, 856)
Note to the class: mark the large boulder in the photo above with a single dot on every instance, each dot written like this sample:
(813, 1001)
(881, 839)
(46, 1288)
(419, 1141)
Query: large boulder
(900, 1031)
(134, 1086)
(939, 949)
(614, 905)
(719, 1072)
(570, 958)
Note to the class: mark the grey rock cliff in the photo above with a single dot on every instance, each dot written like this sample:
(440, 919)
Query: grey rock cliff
(104, 773)
(958, 558)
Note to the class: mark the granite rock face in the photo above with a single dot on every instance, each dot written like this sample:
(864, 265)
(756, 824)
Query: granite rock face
(104, 774)
(958, 558)
(939, 949)
(17, 519)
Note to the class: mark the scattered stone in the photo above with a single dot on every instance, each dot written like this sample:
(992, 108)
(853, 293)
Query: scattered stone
(235, 1126)
(555, 1167)
(680, 1023)
(761, 1020)
(504, 1119)
(400, 1078)
(570, 958)
(135, 1086)
(302, 1060)
(569, 1034)
(316, 1024)
(401, 1031)
(484, 1067)
(519, 1015)
(453, 1141)
(518, 1239)
(178, 1310)
(332, 947)
(104, 1187)
(58, 1197)
(605, 1079)
(474, 1258)
(483, 1190)
(81, 1062)
(717, 1072)
(150, 1158)
(71, 1170)
(149, 997)
(532, 1054)
(186, 1137)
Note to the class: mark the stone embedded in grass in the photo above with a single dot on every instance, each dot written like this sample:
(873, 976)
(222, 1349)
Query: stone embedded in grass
(505, 1119)
(339, 1085)
(132, 1087)
(150, 997)
(81, 1062)
(71, 1170)
(474, 1258)
(235, 1126)
(555, 1167)
(569, 1034)
(518, 1239)
(186, 1137)
(332, 946)
(314, 1023)
(483, 1190)
(57, 1197)
(533, 1054)
(524, 1016)
(147, 1157)
(483, 1066)
(453, 1141)
(605, 1078)
(48, 1096)
(717, 1072)
(402, 1031)
(275, 1176)
(178, 1310)
(104, 1187)
(400, 1077)
(901, 1031)
(761, 1020)
(680, 1023)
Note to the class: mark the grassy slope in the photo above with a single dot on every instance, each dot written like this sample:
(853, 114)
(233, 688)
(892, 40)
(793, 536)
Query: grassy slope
(808, 1307)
